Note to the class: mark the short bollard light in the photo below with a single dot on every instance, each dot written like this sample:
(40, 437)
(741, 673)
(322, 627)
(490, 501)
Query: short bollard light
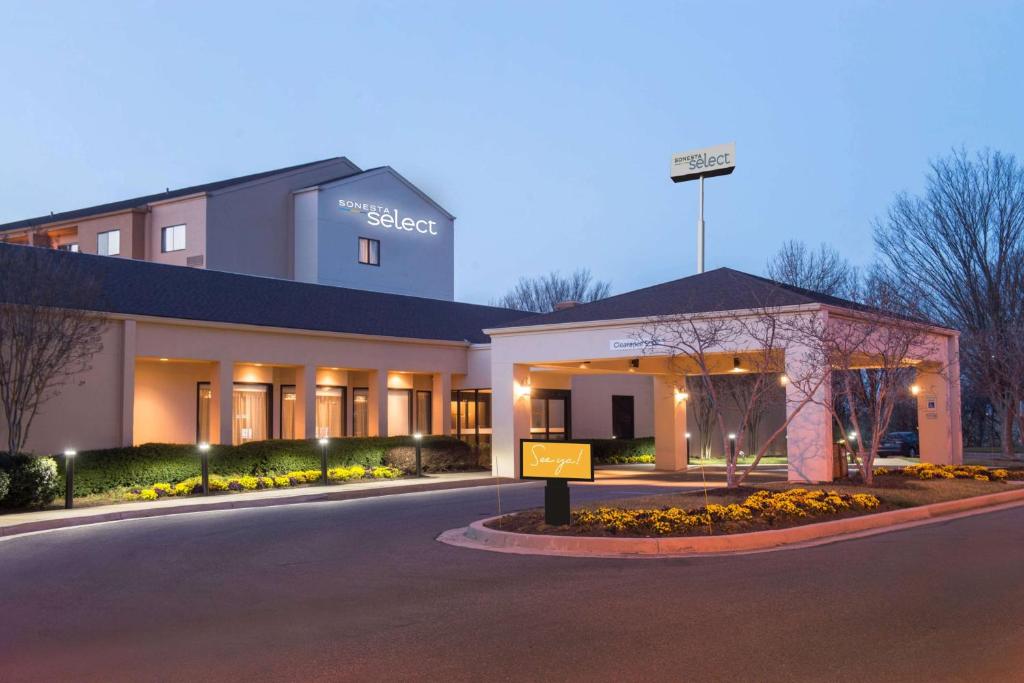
(732, 447)
(204, 457)
(323, 460)
(687, 447)
(419, 459)
(69, 478)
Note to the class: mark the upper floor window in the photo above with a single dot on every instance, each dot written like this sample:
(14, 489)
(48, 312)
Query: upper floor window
(369, 251)
(70, 246)
(172, 238)
(108, 243)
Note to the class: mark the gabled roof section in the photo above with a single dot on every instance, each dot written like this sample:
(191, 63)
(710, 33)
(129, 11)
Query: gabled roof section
(723, 289)
(381, 170)
(133, 287)
(142, 201)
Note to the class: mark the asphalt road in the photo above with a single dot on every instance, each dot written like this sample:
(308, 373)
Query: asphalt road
(360, 590)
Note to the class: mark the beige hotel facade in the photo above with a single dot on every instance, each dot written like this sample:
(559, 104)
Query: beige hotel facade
(317, 300)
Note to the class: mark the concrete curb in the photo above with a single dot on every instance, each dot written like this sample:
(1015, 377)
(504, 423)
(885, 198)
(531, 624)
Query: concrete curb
(478, 536)
(234, 502)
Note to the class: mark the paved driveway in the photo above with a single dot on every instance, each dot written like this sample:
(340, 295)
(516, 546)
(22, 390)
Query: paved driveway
(360, 590)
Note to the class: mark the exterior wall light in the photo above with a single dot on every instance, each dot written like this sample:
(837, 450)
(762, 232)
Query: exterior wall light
(736, 364)
(522, 390)
(914, 389)
(164, 360)
(681, 395)
(634, 364)
(69, 478)
(784, 380)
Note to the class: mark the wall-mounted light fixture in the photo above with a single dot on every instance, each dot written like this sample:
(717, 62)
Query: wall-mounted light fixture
(914, 389)
(522, 390)
(681, 395)
(736, 367)
(584, 365)
(784, 380)
(634, 364)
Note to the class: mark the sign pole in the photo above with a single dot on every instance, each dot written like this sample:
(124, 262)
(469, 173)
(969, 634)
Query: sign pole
(700, 229)
(556, 502)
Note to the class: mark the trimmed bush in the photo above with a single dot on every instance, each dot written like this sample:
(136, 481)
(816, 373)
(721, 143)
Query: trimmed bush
(104, 470)
(5, 485)
(33, 481)
(611, 451)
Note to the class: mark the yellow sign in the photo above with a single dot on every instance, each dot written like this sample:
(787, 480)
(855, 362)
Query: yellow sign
(555, 460)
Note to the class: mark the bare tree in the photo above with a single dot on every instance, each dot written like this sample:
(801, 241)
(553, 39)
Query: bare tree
(871, 353)
(824, 270)
(541, 294)
(48, 335)
(701, 348)
(960, 248)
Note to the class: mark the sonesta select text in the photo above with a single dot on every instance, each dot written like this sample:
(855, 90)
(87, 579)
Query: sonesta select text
(703, 160)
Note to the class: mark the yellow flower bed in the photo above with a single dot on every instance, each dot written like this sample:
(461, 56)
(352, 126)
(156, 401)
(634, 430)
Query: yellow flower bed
(768, 505)
(930, 471)
(252, 483)
(642, 459)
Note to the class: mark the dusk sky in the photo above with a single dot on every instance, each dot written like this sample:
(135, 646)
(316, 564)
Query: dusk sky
(547, 133)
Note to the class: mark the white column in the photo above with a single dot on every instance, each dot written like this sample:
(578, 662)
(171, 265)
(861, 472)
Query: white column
(305, 402)
(938, 408)
(377, 402)
(128, 384)
(223, 394)
(809, 435)
(440, 409)
(510, 416)
(669, 426)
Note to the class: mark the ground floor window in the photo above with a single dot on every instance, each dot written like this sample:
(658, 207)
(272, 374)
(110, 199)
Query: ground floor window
(361, 411)
(251, 407)
(551, 414)
(250, 412)
(399, 412)
(204, 396)
(330, 412)
(287, 411)
(424, 412)
(471, 417)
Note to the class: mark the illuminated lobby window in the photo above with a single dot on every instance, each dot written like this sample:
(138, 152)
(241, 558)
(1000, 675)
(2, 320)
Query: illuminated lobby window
(330, 411)
(251, 413)
(361, 412)
(287, 411)
(204, 395)
(471, 416)
(423, 412)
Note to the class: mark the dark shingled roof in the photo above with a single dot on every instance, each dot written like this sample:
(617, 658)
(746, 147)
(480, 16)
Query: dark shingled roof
(723, 289)
(141, 288)
(146, 199)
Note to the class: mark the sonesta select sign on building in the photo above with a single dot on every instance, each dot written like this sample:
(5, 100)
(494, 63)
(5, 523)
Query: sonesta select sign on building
(386, 217)
(707, 162)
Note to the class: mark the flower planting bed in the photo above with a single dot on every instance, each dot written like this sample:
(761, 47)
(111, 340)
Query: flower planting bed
(193, 485)
(768, 507)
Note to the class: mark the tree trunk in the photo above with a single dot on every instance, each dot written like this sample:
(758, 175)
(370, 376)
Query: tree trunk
(1006, 415)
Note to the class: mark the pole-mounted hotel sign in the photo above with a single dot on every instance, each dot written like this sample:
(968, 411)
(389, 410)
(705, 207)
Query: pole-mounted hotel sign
(700, 164)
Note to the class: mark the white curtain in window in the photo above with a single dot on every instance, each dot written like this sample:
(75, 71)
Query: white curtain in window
(250, 413)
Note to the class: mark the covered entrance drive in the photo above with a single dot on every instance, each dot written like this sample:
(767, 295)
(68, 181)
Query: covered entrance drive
(607, 338)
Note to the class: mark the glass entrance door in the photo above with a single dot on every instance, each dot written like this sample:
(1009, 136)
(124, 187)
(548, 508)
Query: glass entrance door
(551, 414)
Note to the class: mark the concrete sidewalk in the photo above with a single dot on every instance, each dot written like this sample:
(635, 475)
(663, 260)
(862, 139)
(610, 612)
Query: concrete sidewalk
(27, 522)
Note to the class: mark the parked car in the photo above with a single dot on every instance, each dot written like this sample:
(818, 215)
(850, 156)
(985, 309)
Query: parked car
(899, 443)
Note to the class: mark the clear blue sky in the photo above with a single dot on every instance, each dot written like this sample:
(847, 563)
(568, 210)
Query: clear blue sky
(546, 128)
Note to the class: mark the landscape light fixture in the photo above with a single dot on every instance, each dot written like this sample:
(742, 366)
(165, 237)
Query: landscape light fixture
(419, 454)
(687, 447)
(204, 457)
(732, 447)
(323, 459)
(69, 478)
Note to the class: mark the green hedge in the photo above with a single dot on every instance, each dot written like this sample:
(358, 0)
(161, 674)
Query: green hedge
(100, 471)
(31, 482)
(603, 450)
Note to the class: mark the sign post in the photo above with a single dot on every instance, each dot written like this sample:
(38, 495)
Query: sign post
(699, 164)
(557, 463)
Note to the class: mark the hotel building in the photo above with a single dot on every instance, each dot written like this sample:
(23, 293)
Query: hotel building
(317, 300)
